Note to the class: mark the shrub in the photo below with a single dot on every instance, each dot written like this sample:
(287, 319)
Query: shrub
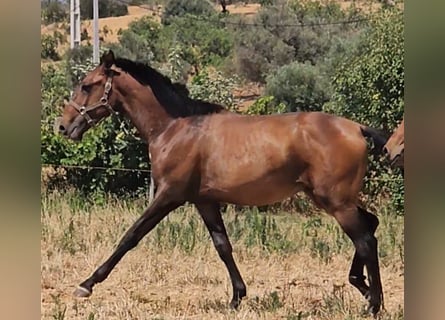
(141, 40)
(369, 83)
(176, 68)
(213, 87)
(266, 105)
(202, 42)
(301, 87)
(179, 8)
(110, 8)
(49, 47)
(258, 52)
(54, 89)
(75, 59)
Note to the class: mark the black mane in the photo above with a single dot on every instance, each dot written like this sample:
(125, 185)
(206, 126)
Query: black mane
(174, 97)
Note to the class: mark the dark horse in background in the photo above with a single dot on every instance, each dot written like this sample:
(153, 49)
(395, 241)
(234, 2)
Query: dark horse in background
(206, 156)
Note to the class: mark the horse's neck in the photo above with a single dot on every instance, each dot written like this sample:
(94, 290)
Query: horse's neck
(144, 111)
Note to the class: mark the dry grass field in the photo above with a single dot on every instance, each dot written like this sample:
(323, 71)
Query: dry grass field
(295, 266)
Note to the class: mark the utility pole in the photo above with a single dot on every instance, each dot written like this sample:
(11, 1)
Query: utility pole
(95, 31)
(74, 23)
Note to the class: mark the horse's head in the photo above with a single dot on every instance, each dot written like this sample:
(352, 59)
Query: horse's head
(395, 146)
(92, 100)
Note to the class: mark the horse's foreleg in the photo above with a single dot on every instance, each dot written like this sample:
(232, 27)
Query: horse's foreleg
(160, 207)
(210, 213)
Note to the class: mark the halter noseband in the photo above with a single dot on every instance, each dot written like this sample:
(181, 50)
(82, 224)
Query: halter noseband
(103, 102)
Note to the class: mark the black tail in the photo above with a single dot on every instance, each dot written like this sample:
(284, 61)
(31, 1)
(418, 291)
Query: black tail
(377, 136)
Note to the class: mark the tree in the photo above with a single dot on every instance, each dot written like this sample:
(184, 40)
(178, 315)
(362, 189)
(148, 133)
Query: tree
(109, 8)
(369, 82)
(202, 42)
(179, 8)
(53, 11)
(141, 41)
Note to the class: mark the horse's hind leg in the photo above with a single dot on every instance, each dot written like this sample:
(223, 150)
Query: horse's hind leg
(210, 213)
(356, 276)
(360, 226)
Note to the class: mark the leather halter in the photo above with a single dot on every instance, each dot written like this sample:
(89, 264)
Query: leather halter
(103, 102)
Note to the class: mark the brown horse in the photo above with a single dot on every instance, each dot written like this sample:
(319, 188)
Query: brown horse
(395, 146)
(224, 157)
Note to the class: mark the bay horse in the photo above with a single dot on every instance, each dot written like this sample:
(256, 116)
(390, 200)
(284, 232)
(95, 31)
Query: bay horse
(395, 146)
(211, 157)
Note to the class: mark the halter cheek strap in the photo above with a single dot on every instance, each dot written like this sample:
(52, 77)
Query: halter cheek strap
(103, 102)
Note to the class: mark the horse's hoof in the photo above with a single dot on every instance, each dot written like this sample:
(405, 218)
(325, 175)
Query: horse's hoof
(82, 292)
(373, 310)
(234, 304)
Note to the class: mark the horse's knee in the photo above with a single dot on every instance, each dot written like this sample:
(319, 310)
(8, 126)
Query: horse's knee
(221, 243)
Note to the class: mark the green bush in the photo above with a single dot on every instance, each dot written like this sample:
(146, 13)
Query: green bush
(300, 86)
(202, 42)
(179, 8)
(49, 47)
(369, 83)
(257, 53)
(74, 60)
(213, 88)
(141, 41)
(54, 90)
(110, 8)
(266, 105)
(197, 42)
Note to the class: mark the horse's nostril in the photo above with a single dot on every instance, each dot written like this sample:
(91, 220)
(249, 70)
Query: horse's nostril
(61, 128)
(385, 151)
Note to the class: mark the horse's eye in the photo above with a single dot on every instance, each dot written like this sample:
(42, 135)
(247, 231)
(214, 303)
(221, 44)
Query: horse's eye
(86, 88)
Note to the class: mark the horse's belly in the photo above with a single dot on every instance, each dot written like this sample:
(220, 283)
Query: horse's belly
(255, 193)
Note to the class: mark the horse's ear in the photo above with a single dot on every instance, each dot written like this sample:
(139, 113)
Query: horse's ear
(107, 59)
(115, 69)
